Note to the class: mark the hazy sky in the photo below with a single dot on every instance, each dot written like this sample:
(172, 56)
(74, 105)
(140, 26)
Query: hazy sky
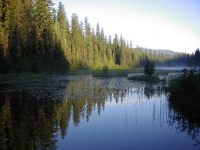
(155, 24)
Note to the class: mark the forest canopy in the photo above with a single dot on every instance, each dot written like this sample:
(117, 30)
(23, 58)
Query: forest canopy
(35, 37)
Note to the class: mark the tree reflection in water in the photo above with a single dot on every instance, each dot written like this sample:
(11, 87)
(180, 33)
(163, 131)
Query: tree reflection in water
(32, 120)
(149, 90)
(27, 124)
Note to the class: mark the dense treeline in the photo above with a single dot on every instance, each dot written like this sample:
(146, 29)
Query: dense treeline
(35, 37)
(30, 40)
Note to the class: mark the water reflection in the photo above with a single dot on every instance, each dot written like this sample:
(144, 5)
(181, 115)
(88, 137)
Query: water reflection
(149, 91)
(35, 116)
(27, 124)
(178, 121)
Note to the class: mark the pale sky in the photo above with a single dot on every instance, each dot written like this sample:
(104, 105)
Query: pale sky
(155, 24)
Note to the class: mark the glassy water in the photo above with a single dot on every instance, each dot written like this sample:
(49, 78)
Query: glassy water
(82, 112)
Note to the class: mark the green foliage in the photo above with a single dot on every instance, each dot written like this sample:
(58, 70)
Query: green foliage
(184, 93)
(37, 64)
(5, 66)
(149, 68)
(105, 70)
(189, 78)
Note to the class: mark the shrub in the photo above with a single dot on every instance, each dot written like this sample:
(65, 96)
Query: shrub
(188, 78)
(149, 68)
(105, 70)
(184, 94)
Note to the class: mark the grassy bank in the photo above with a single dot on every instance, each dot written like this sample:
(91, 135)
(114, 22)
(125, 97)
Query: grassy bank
(19, 77)
(161, 71)
(117, 72)
(111, 72)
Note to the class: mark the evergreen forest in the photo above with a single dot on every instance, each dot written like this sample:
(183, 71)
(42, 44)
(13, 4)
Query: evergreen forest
(37, 38)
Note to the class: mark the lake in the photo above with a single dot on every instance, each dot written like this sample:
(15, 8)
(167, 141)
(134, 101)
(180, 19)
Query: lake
(83, 112)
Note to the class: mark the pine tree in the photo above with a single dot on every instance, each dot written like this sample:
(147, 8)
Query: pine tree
(13, 25)
(88, 45)
(76, 39)
(63, 30)
(122, 52)
(96, 57)
(62, 52)
(116, 51)
(27, 34)
(44, 21)
(103, 47)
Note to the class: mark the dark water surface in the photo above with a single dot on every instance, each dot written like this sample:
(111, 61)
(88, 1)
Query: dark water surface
(82, 112)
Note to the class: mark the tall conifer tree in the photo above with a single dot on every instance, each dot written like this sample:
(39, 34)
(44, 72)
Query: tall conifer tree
(88, 45)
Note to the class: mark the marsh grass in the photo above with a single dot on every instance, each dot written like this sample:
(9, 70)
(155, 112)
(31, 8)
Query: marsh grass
(145, 78)
(161, 71)
(20, 75)
(111, 72)
(19, 79)
(117, 72)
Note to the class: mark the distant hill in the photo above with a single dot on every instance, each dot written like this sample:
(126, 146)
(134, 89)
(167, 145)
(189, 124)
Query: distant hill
(168, 52)
(159, 51)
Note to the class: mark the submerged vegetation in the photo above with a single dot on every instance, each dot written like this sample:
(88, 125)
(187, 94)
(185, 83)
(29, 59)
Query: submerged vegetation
(184, 93)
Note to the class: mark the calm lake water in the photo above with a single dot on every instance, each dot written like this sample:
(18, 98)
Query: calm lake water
(82, 112)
